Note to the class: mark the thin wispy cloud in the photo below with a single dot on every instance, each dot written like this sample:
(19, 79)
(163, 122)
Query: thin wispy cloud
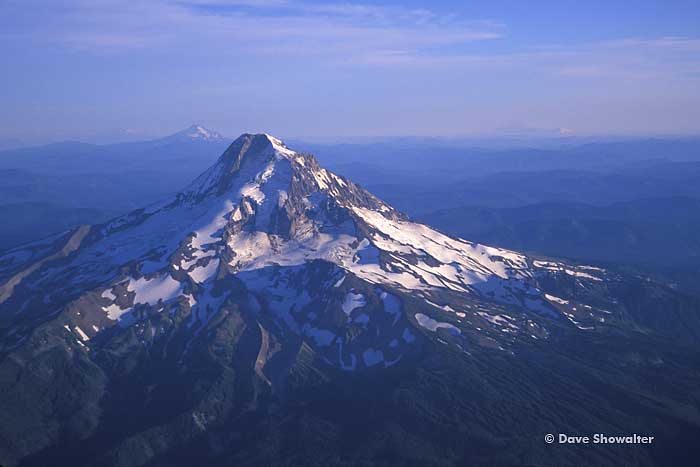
(269, 26)
(628, 58)
(345, 34)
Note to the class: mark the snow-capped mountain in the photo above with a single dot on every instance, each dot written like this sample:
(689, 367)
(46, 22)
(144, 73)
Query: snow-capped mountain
(195, 132)
(269, 264)
(268, 217)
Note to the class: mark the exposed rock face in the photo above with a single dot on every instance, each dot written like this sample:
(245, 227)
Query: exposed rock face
(270, 285)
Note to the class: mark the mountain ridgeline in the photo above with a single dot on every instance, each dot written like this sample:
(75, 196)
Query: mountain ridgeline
(275, 313)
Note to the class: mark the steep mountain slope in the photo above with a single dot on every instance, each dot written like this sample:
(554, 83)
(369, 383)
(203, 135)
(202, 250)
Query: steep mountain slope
(275, 313)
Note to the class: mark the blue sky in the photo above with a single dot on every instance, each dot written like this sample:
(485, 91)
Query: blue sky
(84, 69)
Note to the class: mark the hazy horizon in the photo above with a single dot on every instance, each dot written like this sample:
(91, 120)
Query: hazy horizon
(505, 137)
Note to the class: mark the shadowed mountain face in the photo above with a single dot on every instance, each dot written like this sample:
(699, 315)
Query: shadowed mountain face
(274, 313)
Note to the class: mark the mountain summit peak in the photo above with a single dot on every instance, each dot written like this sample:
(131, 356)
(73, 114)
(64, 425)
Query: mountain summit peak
(265, 141)
(264, 161)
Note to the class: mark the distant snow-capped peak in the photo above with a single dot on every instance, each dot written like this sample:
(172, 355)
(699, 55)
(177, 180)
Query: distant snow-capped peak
(199, 132)
(196, 132)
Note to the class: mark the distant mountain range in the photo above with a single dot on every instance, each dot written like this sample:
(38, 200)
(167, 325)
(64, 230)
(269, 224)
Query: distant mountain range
(272, 312)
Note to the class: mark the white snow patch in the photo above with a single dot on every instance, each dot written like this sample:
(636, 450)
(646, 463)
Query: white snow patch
(554, 299)
(339, 282)
(353, 301)
(152, 290)
(280, 149)
(433, 325)
(83, 336)
(252, 190)
(114, 311)
(203, 273)
(190, 300)
(108, 295)
(584, 275)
